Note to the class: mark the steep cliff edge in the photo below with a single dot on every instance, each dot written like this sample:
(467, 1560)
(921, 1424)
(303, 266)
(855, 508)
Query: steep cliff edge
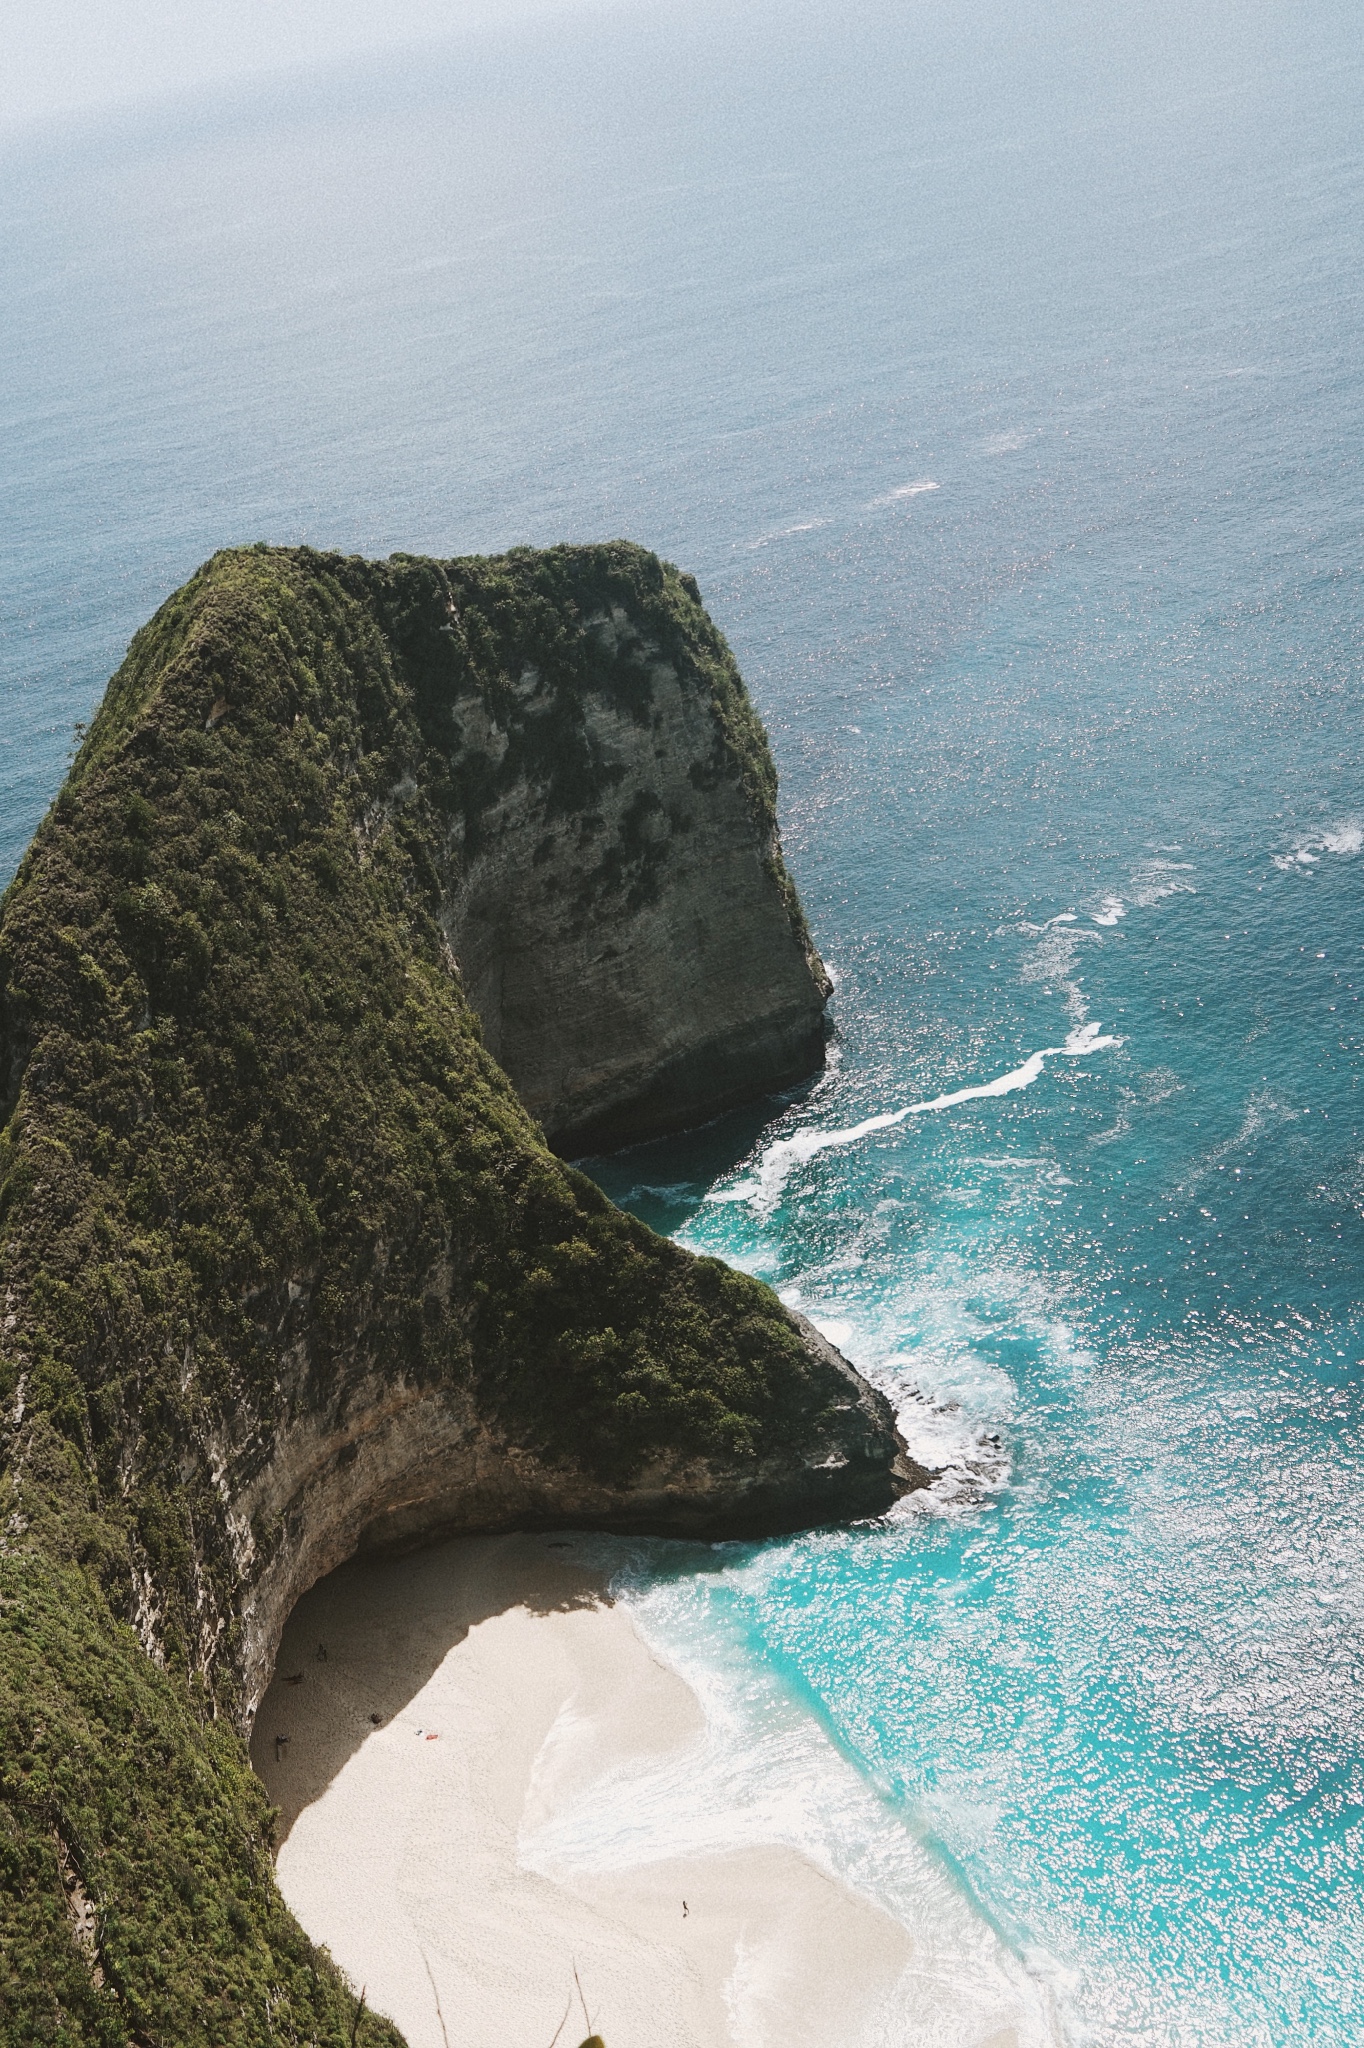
(287, 1266)
(617, 901)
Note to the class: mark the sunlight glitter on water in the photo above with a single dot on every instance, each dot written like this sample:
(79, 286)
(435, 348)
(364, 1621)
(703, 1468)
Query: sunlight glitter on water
(1071, 736)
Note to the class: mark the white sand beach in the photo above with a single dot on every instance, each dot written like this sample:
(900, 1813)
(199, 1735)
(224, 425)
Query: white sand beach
(418, 1745)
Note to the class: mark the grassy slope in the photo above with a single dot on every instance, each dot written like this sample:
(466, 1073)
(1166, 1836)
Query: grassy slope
(232, 1058)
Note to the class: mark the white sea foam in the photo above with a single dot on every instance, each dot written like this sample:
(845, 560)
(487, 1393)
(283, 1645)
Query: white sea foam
(763, 1188)
(914, 490)
(836, 1328)
(765, 540)
(1154, 880)
(1151, 881)
(1052, 963)
(969, 1456)
(1344, 840)
(950, 1399)
(762, 1773)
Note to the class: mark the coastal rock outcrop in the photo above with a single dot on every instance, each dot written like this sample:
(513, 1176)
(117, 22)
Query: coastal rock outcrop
(618, 904)
(378, 1464)
(289, 1268)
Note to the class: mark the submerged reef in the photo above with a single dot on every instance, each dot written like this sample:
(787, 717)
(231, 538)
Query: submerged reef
(373, 888)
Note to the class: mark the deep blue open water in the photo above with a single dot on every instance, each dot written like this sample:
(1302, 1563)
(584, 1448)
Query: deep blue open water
(998, 371)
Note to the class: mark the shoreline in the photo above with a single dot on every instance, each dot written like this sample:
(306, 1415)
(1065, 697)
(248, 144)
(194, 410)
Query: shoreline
(436, 1705)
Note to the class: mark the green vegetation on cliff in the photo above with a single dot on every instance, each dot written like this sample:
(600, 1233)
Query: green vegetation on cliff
(246, 1117)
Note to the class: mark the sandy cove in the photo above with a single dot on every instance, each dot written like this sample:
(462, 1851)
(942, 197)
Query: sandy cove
(407, 1778)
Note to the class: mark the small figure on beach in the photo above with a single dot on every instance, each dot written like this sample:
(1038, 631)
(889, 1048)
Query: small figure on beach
(322, 1653)
(281, 1744)
(684, 1909)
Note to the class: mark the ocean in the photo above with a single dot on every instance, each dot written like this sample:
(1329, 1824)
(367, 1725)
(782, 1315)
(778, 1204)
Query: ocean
(998, 371)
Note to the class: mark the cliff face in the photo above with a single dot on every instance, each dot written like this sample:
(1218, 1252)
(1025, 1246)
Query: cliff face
(377, 1464)
(618, 905)
(288, 1268)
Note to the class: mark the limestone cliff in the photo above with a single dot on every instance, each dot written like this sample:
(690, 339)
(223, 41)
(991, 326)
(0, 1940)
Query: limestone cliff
(618, 905)
(288, 1267)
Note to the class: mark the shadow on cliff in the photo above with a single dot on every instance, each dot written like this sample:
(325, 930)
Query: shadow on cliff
(361, 1645)
(665, 1180)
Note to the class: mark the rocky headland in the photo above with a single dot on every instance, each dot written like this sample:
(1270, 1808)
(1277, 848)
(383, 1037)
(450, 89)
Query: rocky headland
(374, 888)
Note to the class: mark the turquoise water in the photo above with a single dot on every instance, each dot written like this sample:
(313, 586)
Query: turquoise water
(998, 371)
